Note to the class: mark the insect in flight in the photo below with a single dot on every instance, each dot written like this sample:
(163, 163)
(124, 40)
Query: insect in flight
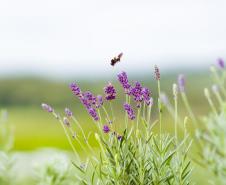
(116, 59)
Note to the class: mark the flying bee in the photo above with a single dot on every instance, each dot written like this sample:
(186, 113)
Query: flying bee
(116, 59)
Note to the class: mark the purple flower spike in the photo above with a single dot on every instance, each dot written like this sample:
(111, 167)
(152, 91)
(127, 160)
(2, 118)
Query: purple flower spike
(157, 73)
(106, 129)
(68, 112)
(123, 79)
(110, 92)
(75, 89)
(99, 101)
(66, 122)
(85, 102)
(89, 97)
(47, 107)
(136, 92)
(221, 63)
(146, 95)
(93, 113)
(181, 82)
(129, 111)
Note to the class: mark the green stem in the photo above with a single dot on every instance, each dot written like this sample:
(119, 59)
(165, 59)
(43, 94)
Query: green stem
(188, 107)
(68, 138)
(149, 115)
(83, 133)
(210, 101)
(176, 117)
(219, 81)
(105, 111)
(138, 116)
(160, 113)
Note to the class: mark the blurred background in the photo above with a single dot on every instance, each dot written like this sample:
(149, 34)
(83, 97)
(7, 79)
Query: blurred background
(46, 44)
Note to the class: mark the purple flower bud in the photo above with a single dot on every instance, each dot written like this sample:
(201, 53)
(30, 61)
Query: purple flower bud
(47, 107)
(221, 63)
(75, 89)
(85, 102)
(106, 129)
(146, 95)
(129, 111)
(110, 92)
(89, 97)
(157, 73)
(119, 138)
(123, 79)
(93, 113)
(68, 112)
(99, 101)
(181, 82)
(66, 122)
(136, 92)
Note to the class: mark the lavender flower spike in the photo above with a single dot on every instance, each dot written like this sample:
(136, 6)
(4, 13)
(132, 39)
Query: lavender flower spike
(129, 111)
(75, 89)
(99, 101)
(68, 112)
(181, 83)
(106, 129)
(110, 92)
(93, 113)
(221, 63)
(123, 79)
(136, 91)
(66, 122)
(47, 107)
(157, 73)
(146, 95)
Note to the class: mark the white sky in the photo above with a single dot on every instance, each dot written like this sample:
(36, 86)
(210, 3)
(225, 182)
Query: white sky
(65, 37)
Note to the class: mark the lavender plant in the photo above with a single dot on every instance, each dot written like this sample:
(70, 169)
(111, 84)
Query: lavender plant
(132, 153)
(213, 136)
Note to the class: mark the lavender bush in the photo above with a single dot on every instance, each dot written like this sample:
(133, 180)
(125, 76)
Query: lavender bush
(131, 153)
(213, 136)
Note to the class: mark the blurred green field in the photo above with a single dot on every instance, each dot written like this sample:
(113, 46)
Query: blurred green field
(35, 128)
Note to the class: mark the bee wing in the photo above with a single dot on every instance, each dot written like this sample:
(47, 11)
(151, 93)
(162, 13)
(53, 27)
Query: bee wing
(120, 55)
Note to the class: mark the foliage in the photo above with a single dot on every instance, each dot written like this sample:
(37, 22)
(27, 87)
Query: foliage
(6, 143)
(54, 171)
(212, 136)
(131, 153)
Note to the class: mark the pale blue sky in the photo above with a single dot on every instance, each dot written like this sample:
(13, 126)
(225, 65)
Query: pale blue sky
(67, 37)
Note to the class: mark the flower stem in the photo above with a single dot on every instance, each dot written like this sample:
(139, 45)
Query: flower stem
(188, 107)
(68, 138)
(160, 112)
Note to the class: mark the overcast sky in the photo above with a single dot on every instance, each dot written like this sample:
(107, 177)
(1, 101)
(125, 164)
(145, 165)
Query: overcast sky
(65, 37)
